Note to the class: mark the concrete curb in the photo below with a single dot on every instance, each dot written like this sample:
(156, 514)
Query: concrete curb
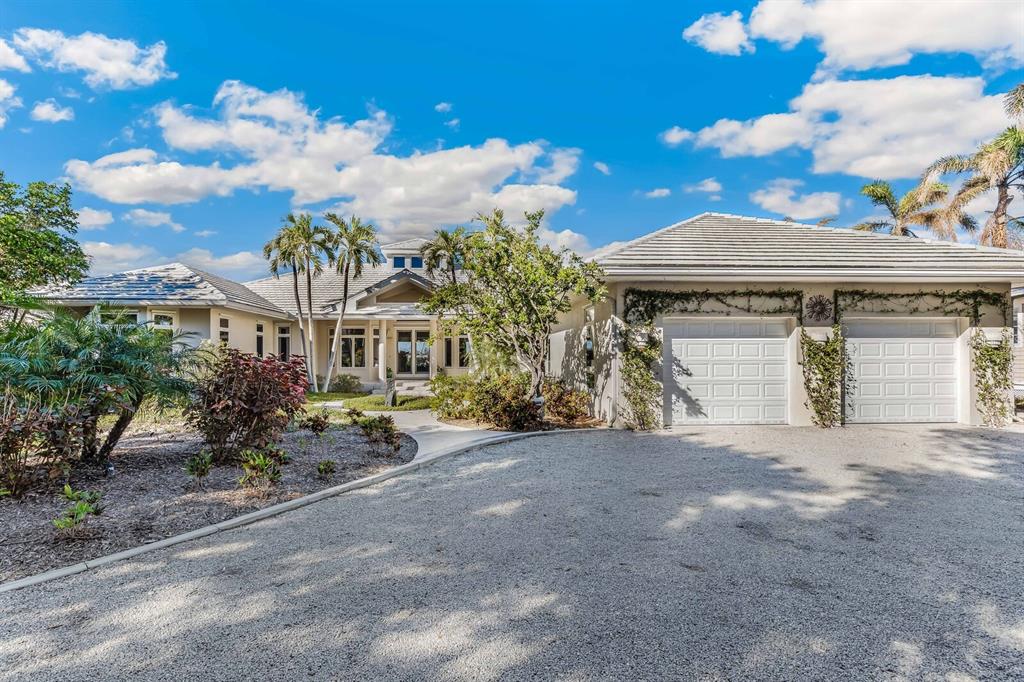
(268, 512)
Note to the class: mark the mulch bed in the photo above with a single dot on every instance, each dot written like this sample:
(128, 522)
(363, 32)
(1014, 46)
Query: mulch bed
(150, 497)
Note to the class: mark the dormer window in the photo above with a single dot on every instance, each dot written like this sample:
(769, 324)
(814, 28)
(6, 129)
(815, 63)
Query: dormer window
(399, 261)
(417, 262)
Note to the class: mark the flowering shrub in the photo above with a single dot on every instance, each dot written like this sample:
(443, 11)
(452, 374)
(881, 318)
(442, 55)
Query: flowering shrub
(246, 402)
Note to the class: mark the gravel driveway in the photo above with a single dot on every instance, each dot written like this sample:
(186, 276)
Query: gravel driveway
(726, 553)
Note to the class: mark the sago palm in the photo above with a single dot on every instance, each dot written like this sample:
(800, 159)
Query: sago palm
(300, 246)
(448, 250)
(353, 244)
(916, 207)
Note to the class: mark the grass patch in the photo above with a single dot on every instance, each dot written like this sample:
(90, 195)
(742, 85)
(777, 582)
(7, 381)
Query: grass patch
(336, 395)
(402, 403)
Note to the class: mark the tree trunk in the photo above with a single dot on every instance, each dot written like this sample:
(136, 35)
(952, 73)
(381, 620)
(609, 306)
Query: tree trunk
(998, 235)
(312, 332)
(115, 433)
(337, 332)
(90, 446)
(302, 330)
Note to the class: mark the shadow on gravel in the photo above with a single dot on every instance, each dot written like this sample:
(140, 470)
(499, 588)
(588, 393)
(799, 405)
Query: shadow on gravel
(741, 553)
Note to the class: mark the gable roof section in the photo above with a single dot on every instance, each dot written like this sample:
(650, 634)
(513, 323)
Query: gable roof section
(731, 247)
(173, 284)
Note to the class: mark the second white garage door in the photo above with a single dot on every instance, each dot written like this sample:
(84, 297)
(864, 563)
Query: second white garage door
(726, 371)
(903, 370)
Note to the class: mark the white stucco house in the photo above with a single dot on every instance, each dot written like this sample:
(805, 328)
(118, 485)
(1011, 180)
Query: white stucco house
(729, 296)
(383, 328)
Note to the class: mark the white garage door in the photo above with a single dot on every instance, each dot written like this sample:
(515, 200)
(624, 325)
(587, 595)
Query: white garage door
(726, 371)
(903, 370)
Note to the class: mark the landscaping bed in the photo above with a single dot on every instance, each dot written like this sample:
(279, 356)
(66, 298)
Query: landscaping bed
(150, 497)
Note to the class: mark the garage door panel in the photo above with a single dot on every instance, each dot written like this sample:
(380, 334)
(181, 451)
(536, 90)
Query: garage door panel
(736, 375)
(905, 371)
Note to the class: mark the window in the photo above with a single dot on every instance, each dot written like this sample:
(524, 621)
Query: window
(376, 344)
(284, 342)
(225, 329)
(463, 351)
(259, 339)
(165, 319)
(120, 317)
(399, 261)
(353, 346)
(417, 262)
(447, 351)
(1018, 327)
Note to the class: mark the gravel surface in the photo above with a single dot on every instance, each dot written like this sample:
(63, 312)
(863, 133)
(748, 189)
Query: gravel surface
(726, 553)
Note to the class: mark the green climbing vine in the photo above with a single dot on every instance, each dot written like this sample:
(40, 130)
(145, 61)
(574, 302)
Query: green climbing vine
(992, 363)
(967, 303)
(644, 305)
(825, 369)
(641, 349)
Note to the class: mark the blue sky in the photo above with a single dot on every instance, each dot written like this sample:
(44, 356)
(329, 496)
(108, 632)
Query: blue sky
(416, 115)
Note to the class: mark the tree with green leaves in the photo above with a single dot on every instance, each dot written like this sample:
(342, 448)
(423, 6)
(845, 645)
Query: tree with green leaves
(446, 250)
(513, 290)
(916, 207)
(353, 245)
(37, 245)
(301, 247)
(997, 165)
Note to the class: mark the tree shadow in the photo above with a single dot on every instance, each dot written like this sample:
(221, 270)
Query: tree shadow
(741, 552)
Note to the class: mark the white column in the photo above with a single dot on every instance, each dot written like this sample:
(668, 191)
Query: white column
(434, 348)
(382, 355)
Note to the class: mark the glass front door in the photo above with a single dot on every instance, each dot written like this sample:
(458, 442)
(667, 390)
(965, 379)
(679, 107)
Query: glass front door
(413, 351)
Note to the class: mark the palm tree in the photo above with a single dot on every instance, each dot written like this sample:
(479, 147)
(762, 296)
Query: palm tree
(447, 248)
(353, 244)
(997, 165)
(913, 208)
(299, 245)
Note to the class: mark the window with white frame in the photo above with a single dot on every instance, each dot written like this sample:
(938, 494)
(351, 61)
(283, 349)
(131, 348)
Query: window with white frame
(353, 347)
(224, 325)
(164, 319)
(119, 317)
(448, 355)
(1018, 325)
(376, 344)
(284, 341)
(259, 339)
(464, 351)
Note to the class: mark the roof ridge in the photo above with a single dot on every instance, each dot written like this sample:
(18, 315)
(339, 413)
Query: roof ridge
(644, 237)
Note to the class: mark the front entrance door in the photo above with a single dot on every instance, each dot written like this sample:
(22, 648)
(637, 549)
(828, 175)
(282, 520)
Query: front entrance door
(413, 351)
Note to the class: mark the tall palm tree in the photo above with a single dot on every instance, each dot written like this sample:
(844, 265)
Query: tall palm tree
(447, 249)
(300, 246)
(353, 244)
(997, 165)
(916, 207)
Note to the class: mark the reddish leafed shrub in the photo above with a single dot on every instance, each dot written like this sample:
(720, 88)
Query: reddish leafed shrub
(246, 402)
(35, 440)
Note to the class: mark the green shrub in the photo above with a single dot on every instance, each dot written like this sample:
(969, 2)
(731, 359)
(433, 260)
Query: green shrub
(454, 396)
(325, 469)
(381, 433)
(317, 422)
(246, 402)
(261, 470)
(199, 466)
(499, 399)
(343, 383)
(564, 402)
(83, 505)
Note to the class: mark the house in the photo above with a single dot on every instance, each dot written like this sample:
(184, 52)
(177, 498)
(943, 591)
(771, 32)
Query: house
(384, 329)
(1017, 298)
(730, 295)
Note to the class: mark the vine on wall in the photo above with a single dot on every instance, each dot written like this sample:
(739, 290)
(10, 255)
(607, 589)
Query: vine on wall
(644, 305)
(825, 368)
(641, 349)
(959, 303)
(992, 363)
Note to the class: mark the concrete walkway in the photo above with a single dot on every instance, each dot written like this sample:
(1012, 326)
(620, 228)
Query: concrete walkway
(432, 437)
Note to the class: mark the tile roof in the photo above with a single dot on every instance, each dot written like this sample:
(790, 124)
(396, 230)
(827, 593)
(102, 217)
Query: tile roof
(714, 245)
(413, 244)
(171, 284)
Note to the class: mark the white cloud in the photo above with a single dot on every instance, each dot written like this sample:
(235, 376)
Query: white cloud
(9, 59)
(864, 35)
(710, 185)
(720, 33)
(675, 136)
(242, 265)
(453, 123)
(8, 100)
(205, 233)
(107, 257)
(715, 197)
(51, 112)
(443, 107)
(93, 219)
(659, 193)
(887, 128)
(602, 168)
(272, 140)
(107, 62)
(146, 218)
(779, 196)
